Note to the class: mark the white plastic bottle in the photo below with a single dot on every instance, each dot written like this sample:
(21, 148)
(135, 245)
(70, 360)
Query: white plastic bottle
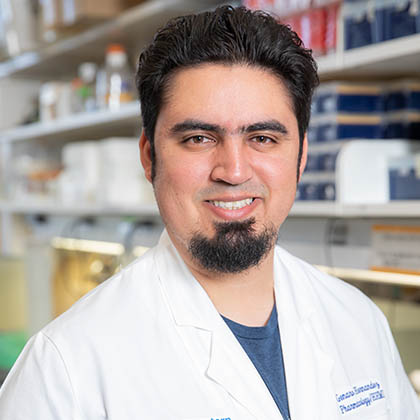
(119, 77)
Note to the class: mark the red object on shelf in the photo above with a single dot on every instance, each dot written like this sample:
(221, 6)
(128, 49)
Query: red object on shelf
(331, 27)
(317, 22)
(266, 5)
(316, 26)
(310, 26)
(293, 22)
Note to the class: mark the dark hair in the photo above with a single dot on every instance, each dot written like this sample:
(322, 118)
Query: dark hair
(226, 35)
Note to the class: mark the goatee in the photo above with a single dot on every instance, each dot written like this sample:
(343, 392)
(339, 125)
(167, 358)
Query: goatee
(235, 247)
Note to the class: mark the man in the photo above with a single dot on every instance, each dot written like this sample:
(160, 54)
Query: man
(216, 322)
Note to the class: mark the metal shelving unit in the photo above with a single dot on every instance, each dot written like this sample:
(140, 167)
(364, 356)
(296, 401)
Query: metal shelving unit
(397, 57)
(58, 209)
(134, 28)
(373, 277)
(309, 209)
(393, 209)
(79, 126)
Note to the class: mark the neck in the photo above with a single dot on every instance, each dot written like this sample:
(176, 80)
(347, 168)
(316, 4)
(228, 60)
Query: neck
(247, 297)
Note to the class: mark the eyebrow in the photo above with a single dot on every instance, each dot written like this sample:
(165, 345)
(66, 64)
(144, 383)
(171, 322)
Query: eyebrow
(191, 125)
(271, 125)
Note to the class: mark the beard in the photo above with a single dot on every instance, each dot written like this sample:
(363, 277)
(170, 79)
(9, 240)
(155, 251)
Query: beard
(235, 247)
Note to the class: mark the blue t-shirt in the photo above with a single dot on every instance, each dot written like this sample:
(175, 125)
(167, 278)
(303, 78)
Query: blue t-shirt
(263, 347)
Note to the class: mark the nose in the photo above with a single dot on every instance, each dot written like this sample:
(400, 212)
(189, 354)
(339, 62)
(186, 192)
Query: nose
(232, 164)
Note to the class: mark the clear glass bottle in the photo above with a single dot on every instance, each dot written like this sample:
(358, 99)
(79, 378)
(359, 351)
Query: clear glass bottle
(87, 73)
(119, 77)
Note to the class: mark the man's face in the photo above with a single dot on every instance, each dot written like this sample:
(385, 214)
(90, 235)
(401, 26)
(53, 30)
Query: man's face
(226, 142)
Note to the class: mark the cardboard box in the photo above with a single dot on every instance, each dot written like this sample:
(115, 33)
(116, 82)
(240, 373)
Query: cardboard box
(58, 14)
(77, 11)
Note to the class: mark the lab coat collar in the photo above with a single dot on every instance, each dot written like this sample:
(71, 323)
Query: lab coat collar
(191, 306)
(189, 303)
(307, 361)
(227, 363)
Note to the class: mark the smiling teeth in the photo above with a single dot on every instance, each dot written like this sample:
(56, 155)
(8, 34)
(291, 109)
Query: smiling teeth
(232, 205)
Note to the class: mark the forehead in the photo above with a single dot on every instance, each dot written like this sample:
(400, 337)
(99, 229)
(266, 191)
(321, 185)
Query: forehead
(229, 95)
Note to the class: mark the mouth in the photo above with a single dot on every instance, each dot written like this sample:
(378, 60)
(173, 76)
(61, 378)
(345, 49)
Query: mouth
(232, 205)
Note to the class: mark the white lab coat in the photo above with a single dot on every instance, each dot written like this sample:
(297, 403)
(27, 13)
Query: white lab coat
(149, 344)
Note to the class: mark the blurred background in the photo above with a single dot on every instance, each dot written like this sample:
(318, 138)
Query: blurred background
(74, 204)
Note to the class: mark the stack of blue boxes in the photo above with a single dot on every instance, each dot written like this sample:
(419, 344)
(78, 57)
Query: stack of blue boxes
(402, 110)
(342, 111)
(402, 104)
(370, 21)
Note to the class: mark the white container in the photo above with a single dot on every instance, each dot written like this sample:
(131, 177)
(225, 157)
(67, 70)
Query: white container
(106, 172)
(79, 181)
(362, 169)
(122, 177)
(55, 100)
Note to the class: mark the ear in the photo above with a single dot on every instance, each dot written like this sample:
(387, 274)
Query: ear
(146, 156)
(304, 156)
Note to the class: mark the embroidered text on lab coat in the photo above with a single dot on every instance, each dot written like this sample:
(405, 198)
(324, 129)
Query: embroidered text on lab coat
(360, 396)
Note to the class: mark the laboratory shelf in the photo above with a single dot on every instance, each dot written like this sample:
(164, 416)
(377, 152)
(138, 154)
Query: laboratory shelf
(134, 28)
(394, 58)
(371, 276)
(26, 207)
(319, 176)
(308, 209)
(393, 209)
(84, 125)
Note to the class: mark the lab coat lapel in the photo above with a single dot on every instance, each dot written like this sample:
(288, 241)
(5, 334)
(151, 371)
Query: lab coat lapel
(226, 362)
(233, 370)
(308, 365)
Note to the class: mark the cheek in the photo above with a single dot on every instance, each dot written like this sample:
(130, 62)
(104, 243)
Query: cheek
(279, 172)
(181, 175)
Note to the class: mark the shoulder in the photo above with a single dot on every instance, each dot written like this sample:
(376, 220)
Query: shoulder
(319, 280)
(121, 297)
(338, 300)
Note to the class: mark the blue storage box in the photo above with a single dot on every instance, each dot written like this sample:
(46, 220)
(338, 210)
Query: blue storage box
(348, 97)
(327, 191)
(312, 133)
(402, 125)
(313, 191)
(399, 18)
(404, 178)
(327, 161)
(341, 126)
(402, 95)
(312, 163)
(359, 23)
(308, 191)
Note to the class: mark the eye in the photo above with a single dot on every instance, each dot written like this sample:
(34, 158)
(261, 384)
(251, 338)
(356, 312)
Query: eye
(198, 140)
(262, 140)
